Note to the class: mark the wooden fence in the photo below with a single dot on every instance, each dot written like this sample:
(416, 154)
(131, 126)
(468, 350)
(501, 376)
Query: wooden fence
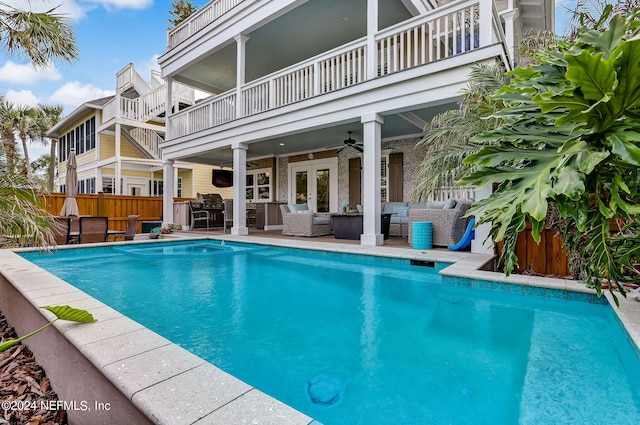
(549, 258)
(116, 207)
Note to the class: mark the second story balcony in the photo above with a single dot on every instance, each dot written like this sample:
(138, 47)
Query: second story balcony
(304, 51)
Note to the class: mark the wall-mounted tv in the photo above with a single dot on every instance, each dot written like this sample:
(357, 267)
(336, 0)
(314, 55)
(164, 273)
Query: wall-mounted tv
(222, 178)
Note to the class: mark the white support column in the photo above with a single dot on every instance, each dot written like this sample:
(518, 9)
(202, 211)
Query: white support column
(510, 34)
(372, 29)
(486, 23)
(241, 43)
(168, 107)
(118, 163)
(482, 243)
(167, 196)
(372, 128)
(239, 189)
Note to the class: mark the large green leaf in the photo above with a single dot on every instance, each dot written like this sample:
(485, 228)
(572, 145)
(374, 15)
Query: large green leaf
(65, 312)
(626, 144)
(606, 41)
(592, 74)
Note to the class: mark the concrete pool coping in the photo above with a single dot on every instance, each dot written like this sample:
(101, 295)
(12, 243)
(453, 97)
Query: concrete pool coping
(150, 378)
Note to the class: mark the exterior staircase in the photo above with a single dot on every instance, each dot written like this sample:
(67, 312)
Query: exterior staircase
(146, 140)
(144, 102)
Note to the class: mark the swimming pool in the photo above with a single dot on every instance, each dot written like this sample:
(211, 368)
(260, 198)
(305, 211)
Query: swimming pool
(351, 339)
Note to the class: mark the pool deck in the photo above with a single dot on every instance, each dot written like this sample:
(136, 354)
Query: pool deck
(169, 385)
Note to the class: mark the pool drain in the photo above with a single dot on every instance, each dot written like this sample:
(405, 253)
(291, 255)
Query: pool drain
(325, 390)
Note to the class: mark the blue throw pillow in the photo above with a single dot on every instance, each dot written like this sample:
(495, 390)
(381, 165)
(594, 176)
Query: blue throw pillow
(400, 211)
(296, 208)
(450, 204)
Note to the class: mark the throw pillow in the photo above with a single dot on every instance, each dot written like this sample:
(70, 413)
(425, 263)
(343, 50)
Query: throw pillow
(449, 205)
(294, 208)
(400, 211)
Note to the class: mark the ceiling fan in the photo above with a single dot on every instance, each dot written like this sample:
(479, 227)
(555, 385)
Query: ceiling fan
(351, 143)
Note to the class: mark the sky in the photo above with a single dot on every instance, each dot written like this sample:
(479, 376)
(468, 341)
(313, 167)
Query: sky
(110, 34)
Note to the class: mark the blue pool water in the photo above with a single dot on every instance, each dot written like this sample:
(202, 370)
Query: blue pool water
(359, 340)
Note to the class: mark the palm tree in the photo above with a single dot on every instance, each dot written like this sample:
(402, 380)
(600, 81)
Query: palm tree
(24, 125)
(47, 117)
(590, 13)
(6, 133)
(447, 141)
(40, 36)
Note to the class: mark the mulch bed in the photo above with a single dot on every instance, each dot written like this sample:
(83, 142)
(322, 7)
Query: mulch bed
(25, 391)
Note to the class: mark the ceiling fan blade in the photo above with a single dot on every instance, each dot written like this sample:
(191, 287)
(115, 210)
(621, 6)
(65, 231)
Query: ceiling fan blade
(358, 148)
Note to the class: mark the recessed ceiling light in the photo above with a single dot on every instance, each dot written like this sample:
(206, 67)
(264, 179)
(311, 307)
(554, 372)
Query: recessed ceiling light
(281, 144)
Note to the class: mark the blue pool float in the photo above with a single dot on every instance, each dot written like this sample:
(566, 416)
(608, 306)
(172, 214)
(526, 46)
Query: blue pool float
(465, 242)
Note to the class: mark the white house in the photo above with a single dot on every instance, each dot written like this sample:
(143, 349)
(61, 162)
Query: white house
(291, 80)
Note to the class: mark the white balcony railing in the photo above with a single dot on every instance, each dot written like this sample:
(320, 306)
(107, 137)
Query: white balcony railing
(199, 20)
(448, 31)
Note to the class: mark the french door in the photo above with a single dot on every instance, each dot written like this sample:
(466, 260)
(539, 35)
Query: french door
(315, 183)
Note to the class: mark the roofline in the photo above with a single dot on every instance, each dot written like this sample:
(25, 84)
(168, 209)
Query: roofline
(54, 132)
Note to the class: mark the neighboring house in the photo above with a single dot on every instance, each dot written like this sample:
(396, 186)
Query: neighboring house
(294, 82)
(116, 141)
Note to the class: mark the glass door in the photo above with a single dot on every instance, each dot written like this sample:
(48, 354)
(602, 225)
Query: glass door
(315, 183)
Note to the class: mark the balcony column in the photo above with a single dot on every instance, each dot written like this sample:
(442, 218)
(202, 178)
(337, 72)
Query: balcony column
(168, 107)
(239, 189)
(372, 128)
(168, 176)
(482, 243)
(372, 29)
(241, 46)
(510, 17)
(118, 163)
(486, 23)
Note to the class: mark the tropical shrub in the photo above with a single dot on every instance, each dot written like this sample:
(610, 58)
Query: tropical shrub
(570, 139)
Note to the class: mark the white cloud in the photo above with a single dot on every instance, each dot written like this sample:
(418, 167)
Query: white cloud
(76, 9)
(70, 9)
(22, 98)
(75, 93)
(145, 67)
(122, 4)
(26, 74)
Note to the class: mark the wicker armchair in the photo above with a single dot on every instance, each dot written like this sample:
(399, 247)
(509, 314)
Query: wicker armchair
(449, 225)
(300, 224)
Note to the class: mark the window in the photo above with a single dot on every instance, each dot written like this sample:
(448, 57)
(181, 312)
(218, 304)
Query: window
(82, 139)
(179, 191)
(384, 178)
(158, 187)
(259, 185)
(87, 185)
(107, 184)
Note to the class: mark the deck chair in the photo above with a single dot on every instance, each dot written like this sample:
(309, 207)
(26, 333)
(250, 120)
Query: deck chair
(132, 228)
(61, 229)
(93, 229)
(228, 214)
(198, 215)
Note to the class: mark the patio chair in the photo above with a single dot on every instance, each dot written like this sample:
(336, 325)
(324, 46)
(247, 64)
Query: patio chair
(300, 221)
(198, 214)
(449, 224)
(61, 229)
(93, 229)
(132, 229)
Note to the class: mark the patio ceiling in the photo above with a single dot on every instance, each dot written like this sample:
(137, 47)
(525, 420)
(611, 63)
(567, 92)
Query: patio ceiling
(395, 126)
